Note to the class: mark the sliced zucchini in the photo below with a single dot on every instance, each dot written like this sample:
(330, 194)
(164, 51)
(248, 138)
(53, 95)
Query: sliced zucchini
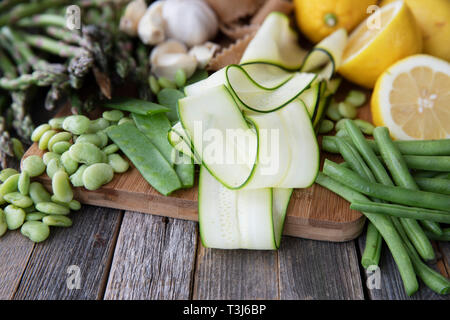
(258, 98)
(280, 203)
(220, 135)
(214, 80)
(179, 140)
(275, 43)
(311, 98)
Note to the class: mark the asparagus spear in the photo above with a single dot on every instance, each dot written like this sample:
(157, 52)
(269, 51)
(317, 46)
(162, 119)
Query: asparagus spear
(7, 4)
(58, 48)
(38, 78)
(43, 20)
(27, 10)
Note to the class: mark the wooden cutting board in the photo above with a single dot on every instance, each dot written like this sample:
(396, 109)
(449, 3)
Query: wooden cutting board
(313, 213)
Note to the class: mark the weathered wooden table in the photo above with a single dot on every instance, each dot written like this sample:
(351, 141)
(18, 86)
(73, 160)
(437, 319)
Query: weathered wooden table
(111, 254)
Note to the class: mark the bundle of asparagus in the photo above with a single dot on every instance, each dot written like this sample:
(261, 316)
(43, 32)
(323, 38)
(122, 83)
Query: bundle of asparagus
(37, 50)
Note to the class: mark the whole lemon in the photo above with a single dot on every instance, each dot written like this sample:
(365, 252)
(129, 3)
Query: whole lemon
(319, 18)
(433, 18)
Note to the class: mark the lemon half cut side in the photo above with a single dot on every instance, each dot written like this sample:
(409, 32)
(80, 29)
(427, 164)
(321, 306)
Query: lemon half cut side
(412, 98)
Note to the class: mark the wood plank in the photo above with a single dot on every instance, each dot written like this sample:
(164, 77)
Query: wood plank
(319, 270)
(88, 244)
(236, 274)
(391, 287)
(154, 259)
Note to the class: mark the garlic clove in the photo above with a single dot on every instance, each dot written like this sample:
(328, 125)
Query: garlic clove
(190, 21)
(151, 26)
(167, 57)
(131, 17)
(204, 53)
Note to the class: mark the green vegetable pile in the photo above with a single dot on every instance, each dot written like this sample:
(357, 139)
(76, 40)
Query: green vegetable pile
(404, 192)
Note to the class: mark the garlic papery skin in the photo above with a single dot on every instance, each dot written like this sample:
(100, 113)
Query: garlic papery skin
(190, 21)
(131, 17)
(151, 27)
(167, 57)
(203, 53)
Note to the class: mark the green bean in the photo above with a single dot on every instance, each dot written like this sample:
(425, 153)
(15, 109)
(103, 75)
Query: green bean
(52, 208)
(402, 211)
(23, 185)
(6, 173)
(57, 221)
(61, 186)
(74, 205)
(34, 216)
(384, 226)
(180, 78)
(340, 124)
(36, 231)
(415, 198)
(366, 127)
(56, 123)
(355, 98)
(18, 199)
(434, 280)
(54, 166)
(341, 133)
(34, 165)
(98, 125)
(60, 136)
(135, 106)
(445, 175)
(431, 226)
(49, 156)
(406, 147)
(69, 164)
(347, 111)
(61, 147)
(77, 178)
(46, 136)
(10, 184)
(333, 112)
(38, 193)
(15, 217)
(97, 175)
(87, 153)
(149, 161)
(112, 148)
(39, 131)
(326, 126)
(113, 115)
(77, 124)
(3, 224)
(118, 164)
(424, 174)
(434, 185)
(445, 236)
(435, 163)
(372, 250)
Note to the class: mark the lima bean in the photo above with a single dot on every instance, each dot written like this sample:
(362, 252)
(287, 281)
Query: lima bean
(77, 124)
(61, 187)
(38, 193)
(36, 231)
(180, 78)
(97, 175)
(56, 123)
(61, 147)
(55, 200)
(112, 148)
(10, 184)
(45, 138)
(34, 216)
(69, 164)
(52, 208)
(57, 221)
(17, 147)
(93, 138)
(23, 185)
(355, 98)
(15, 217)
(118, 164)
(104, 138)
(125, 120)
(54, 166)
(60, 136)
(39, 131)
(333, 112)
(347, 110)
(113, 115)
(154, 85)
(98, 125)
(87, 153)
(77, 178)
(19, 200)
(29, 209)
(49, 156)
(74, 205)
(6, 173)
(326, 126)
(3, 224)
(34, 165)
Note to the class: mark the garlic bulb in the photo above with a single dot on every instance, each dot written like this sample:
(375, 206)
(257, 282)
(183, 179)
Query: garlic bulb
(167, 57)
(151, 27)
(131, 17)
(190, 21)
(203, 53)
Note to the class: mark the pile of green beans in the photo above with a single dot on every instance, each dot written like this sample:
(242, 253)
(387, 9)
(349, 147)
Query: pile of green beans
(400, 200)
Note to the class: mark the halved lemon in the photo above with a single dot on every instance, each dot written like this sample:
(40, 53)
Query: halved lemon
(412, 99)
(385, 37)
